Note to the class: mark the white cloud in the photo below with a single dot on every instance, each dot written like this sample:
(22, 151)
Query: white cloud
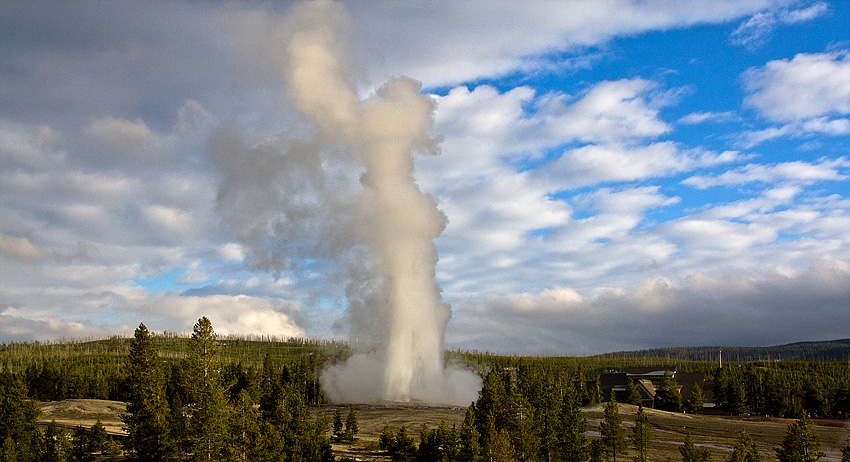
(594, 164)
(805, 87)
(702, 117)
(796, 171)
(756, 30)
(229, 315)
(619, 110)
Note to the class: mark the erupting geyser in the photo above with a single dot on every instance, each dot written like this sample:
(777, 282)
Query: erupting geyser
(391, 216)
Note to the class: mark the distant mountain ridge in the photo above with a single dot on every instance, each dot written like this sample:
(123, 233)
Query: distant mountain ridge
(797, 351)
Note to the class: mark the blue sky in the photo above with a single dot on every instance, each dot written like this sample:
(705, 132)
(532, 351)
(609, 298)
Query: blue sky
(614, 174)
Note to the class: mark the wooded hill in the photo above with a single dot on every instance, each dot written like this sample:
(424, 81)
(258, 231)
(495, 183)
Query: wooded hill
(798, 351)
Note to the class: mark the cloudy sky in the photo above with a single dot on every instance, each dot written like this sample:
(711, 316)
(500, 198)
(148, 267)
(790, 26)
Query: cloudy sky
(615, 174)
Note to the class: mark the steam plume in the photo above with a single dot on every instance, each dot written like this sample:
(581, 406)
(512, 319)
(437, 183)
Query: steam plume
(389, 217)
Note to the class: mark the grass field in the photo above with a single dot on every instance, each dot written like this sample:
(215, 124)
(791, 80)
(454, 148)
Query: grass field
(717, 433)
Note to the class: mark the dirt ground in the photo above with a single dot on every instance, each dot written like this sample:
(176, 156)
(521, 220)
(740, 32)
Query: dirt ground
(717, 433)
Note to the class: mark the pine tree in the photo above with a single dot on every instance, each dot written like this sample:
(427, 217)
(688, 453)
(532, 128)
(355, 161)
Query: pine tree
(97, 438)
(697, 399)
(503, 450)
(634, 396)
(80, 446)
(669, 398)
(691, 453)
(845, 453)
(403, 448)
(338, 425)
(146, 419)
(800, 444)
(745, 449)
(492, 409)
(469, 445)
(208, 407)
(611, 430)
(19, 433)
(351, 429)
(243, 430)
(57, 445)
(572, 428)
(641, 435)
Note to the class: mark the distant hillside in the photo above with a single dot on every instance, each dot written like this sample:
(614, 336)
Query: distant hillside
(799, 351)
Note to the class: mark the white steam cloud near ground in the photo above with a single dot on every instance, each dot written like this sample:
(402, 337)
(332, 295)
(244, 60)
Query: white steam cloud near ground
(380, 231)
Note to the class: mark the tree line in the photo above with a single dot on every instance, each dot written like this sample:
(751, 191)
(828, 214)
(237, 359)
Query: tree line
(525, 416)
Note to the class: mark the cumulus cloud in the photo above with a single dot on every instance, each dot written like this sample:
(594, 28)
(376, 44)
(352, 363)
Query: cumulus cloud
(806, 86)
(240, 314)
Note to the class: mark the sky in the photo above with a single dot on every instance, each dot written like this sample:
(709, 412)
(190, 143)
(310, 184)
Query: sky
(614, 174)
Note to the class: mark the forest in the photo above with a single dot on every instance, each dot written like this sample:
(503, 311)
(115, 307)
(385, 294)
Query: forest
(201, 397)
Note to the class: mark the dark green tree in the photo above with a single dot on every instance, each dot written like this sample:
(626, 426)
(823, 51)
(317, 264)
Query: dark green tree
(641, 435)
(57, 444)
(633, 392)
(668, 397)
(208, 407)
(146, 420)
(20, 434)
(80, 446)
(572, 427)
(745, 449)
(98, 439)
(800, 444)
(691, 453)
(338, 426)
(697, 399)
(502, 449)
(403, 447)
(492, 410)
(469, 449)
(351, 428)
(243, 430)
(611, 430)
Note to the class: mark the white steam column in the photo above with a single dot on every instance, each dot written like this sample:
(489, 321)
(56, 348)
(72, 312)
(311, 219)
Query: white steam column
(400, 222)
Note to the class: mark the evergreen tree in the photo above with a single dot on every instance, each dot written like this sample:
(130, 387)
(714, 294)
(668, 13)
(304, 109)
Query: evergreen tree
(745, 449)
(469, 445)
(338, 425)
(503, 450)
(146, 420)
(19, 431)
(668, 397)
(492, 411)
(641, 435)
(57, 445)
(80, 446)
(403, 447)
(611, 431)
(351, 429)
(800, 444)
(634, 396)
(243, 430)
(697, 399)
(572, 428)
(208, 408)
(97, 438)
(691, 453)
